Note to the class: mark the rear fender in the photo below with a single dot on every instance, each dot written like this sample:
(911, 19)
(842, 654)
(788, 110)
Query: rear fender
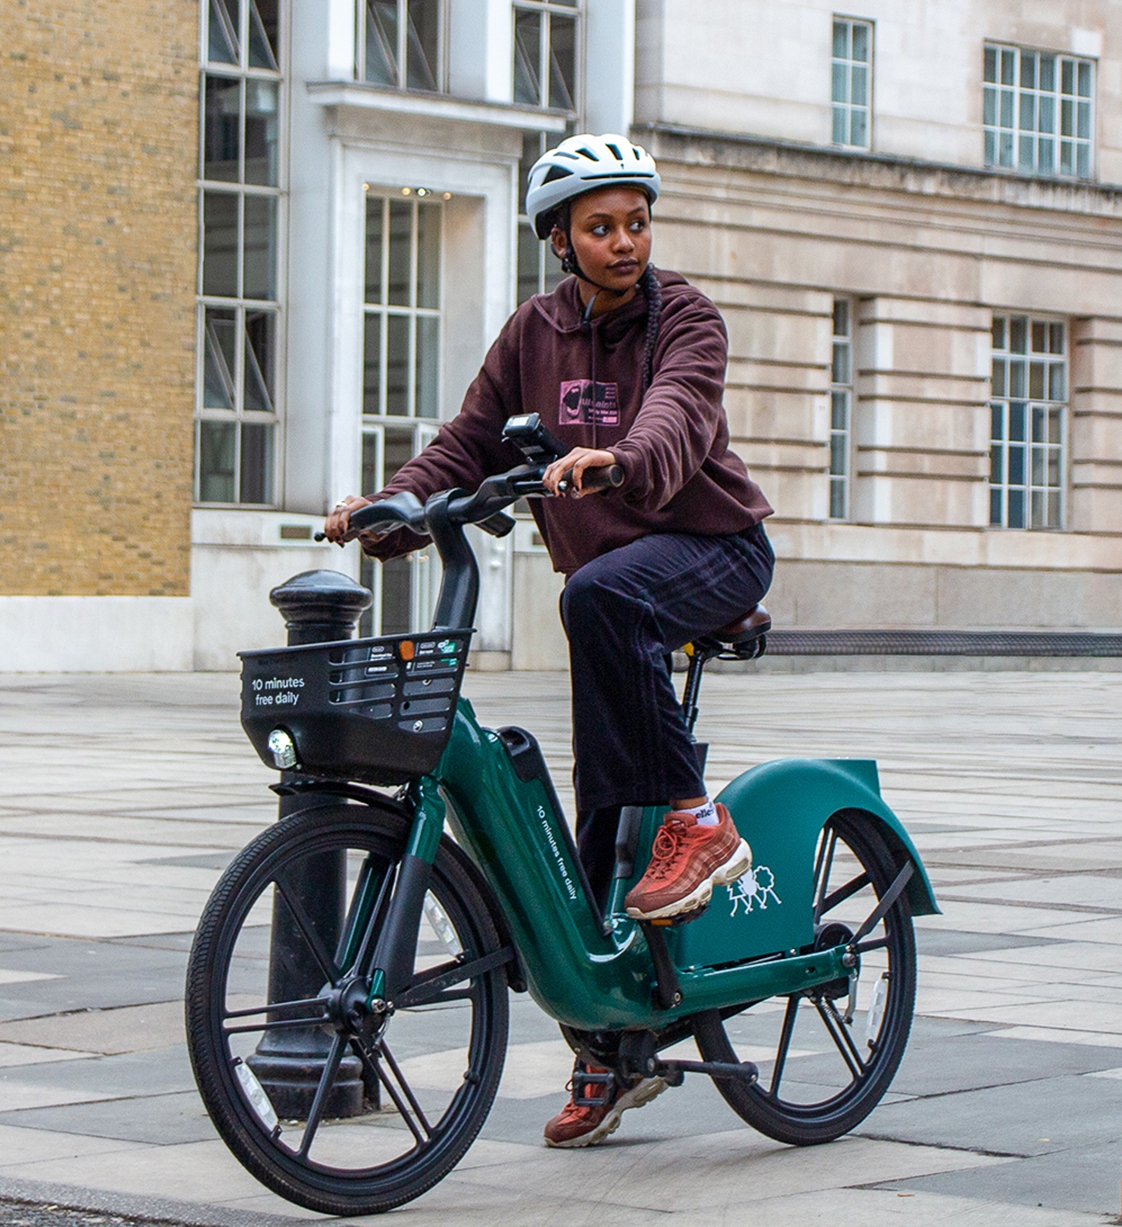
(780, 809)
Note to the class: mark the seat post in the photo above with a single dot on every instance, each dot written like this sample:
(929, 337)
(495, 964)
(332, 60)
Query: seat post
(698, 658)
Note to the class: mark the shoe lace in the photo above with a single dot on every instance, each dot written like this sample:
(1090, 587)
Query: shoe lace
(668, 844)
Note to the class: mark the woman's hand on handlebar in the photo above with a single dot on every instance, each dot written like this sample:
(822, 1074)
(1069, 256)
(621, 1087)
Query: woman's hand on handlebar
(572, 468)
(337, 527)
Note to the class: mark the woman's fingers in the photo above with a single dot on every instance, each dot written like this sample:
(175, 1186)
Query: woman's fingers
(337, 526)
(572, 467)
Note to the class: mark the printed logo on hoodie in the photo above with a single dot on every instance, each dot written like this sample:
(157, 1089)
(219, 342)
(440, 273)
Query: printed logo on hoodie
(588, 404)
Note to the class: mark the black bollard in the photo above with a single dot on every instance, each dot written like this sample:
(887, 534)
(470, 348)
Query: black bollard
(318, 607)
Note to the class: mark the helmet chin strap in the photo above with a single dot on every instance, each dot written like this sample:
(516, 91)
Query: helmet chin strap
(569, 265)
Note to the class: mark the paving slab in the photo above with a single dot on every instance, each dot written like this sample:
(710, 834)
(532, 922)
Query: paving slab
(127, 795)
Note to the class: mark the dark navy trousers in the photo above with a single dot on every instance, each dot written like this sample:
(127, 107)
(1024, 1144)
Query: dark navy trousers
(625, 613)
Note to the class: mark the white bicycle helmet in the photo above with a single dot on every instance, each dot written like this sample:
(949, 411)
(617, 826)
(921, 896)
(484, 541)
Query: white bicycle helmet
(580, 164)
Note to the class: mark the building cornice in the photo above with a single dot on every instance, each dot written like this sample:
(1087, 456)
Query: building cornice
(359, 96)
(876, 171)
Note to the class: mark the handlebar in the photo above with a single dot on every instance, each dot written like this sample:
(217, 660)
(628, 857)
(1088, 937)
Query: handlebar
(484, 507)
(444, 516)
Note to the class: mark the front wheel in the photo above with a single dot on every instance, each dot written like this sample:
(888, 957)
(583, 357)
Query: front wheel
(828, 1054)
(330, 1103)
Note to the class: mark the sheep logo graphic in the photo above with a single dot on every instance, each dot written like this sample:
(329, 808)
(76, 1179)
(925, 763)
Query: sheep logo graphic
(753, 888)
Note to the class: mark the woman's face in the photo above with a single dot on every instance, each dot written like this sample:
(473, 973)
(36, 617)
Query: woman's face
(611, 232)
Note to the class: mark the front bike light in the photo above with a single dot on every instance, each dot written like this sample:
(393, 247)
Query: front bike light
(283, 749)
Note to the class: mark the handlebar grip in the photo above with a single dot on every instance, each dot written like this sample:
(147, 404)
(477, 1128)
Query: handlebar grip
(607, 478)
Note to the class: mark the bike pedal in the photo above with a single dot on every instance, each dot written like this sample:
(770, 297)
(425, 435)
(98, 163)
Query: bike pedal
(683, 918)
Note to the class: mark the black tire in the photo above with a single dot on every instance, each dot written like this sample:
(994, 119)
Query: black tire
(439, 1080)
(818, 1079)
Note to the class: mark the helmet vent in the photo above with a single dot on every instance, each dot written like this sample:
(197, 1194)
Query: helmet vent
(557, 172)
(615, 150)
(587, 153)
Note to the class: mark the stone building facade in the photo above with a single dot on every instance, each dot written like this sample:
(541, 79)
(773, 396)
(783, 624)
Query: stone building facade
(256, 249)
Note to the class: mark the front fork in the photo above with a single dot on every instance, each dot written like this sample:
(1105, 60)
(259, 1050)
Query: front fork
(395, 953)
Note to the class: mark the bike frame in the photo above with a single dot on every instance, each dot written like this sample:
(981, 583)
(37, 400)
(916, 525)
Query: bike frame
(595, 974)
(598, 973)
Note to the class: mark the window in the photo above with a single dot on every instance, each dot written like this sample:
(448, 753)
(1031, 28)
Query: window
(545, 53)
(1027, 422)
(401, 361)
(401, 383)
(405, 589)
(1037, 112)
(850, 82)
(401, 43)
(539, 270)
(239, 209)
(841, 408)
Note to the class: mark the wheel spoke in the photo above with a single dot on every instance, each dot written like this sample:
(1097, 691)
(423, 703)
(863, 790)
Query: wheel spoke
(278, 1007)
(822, 870)
(785, 1034)
(326, 1082)
(369, 1056)
(839, 1033)
(282, 1024)
(308, 930)
(842, 894)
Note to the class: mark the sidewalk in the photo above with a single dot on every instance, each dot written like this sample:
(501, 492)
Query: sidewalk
(125, 795)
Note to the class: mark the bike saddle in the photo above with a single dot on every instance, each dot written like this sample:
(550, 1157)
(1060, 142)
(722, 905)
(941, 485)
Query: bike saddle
(746, 628)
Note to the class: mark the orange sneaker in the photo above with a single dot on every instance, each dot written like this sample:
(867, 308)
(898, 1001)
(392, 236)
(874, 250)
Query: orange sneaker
(596, 1106)
(687, 861)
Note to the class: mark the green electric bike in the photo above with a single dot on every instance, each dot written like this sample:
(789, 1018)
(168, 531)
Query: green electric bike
(347, 992)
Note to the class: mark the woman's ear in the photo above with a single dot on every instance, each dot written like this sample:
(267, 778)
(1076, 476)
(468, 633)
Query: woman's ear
(558, 242)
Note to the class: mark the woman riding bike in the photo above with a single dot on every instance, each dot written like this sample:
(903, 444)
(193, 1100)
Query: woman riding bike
(626, 365)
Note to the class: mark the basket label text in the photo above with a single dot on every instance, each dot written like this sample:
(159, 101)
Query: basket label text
(276, 691)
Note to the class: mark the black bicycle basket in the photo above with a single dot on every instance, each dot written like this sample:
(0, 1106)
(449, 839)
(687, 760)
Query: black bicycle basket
(377, 710)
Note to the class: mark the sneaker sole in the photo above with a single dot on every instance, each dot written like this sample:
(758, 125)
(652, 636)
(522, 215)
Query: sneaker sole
(735, 867)
(637, 1097)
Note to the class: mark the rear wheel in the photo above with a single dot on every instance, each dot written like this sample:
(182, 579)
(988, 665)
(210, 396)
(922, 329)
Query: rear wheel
(390, 1101)
(826, 1058)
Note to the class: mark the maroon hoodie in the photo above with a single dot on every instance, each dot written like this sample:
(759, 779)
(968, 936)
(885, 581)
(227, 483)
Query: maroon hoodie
(585, 380)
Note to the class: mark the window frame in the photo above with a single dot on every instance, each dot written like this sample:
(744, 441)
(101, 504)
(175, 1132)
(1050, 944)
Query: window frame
(1033, 408)
(549, 272)
(439, 70)
(384, 310)
(846, 105)
(995, 131)
(239, 304)
(547, 9)
(840, 463)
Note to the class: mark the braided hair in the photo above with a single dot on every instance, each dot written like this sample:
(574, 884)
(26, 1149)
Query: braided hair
(653, 290)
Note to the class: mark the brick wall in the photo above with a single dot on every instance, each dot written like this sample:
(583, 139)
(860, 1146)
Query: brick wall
(98, 240)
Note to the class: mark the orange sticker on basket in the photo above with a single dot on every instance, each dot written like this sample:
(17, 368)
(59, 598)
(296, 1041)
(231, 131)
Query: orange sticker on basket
(407, 649)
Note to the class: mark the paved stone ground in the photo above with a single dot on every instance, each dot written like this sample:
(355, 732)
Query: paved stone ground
(123, 796)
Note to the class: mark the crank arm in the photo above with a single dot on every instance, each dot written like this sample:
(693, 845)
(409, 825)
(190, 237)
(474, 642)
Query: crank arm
(675, 1071)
